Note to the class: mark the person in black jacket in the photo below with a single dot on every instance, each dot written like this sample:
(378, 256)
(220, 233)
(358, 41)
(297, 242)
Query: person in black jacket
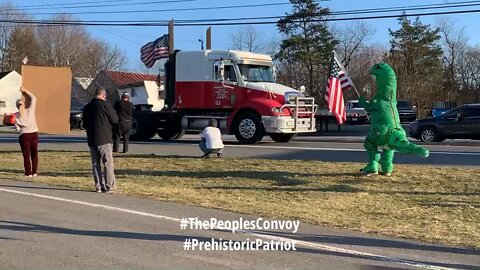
(124, 109)
(99, 118)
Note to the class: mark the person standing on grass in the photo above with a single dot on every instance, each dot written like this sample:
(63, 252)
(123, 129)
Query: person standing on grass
(124, 109)
(99, 118)
(26, 125)
(211, 140)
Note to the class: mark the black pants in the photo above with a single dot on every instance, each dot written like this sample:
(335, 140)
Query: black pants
(122, 133)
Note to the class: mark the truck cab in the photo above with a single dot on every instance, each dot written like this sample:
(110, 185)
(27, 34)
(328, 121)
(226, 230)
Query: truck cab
(239, 89)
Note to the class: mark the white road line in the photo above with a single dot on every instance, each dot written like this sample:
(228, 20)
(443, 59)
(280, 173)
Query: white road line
(257, 234)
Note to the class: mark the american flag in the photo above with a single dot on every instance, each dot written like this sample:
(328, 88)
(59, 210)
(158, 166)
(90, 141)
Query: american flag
(338, 80)
(154, 50)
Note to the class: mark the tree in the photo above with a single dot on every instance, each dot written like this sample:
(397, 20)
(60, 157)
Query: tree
(351, 39)
(7, 14)
(454, 43)
(22, 43)
(63, 45)
(469, 75)
(248, 39)
(415, 55)
(72, 45)
(100, 56)
(307, 43)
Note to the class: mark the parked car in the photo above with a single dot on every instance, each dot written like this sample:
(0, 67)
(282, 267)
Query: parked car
(462, 122)
(355, 112)
(76, 119)
(9, 119)
(406, 111)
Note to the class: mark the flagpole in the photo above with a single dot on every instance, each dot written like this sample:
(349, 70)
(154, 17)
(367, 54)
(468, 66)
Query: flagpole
(351, 81)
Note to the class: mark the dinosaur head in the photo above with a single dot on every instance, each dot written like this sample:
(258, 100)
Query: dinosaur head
(386, 81)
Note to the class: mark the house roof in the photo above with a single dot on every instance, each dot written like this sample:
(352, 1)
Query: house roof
(5, 73)
(127, 78)
(84, 82)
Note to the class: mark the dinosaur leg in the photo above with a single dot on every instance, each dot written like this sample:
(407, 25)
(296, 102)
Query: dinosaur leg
(387, 161)
(373, 156)
(398, 141)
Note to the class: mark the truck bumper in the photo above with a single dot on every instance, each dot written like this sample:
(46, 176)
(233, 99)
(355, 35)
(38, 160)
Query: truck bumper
(286, 124)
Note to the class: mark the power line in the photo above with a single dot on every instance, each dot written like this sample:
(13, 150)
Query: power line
(103, 5)
(156, 24)
(407, 8)
(358, 11)
(344, 12)
(77, 3)
(166, 10)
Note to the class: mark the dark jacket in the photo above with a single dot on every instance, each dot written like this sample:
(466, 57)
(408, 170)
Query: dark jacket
(99, 118)
(124, 110)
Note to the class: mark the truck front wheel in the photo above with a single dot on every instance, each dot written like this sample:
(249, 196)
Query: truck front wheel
(282, 137)
(171, 134)
(249, 128)
(141, 131)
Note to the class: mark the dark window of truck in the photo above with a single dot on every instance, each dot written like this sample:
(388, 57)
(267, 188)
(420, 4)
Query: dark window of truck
(230, 73)
(405, 105)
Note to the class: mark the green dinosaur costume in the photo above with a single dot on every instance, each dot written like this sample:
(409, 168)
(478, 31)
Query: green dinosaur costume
(385, 131)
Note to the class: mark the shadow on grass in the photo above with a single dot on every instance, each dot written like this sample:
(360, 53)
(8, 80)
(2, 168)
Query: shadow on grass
(331, 188)
(446, 204)
(281, 178)
(51, 174)
(347, 188)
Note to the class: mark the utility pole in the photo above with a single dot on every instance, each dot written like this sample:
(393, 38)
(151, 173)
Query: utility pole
(201, 42)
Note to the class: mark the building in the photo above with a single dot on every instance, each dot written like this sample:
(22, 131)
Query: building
(10, 83)
(143, 88)
(80, 97)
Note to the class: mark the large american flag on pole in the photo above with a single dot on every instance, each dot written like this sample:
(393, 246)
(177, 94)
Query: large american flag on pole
(338, 80)
(152, 51)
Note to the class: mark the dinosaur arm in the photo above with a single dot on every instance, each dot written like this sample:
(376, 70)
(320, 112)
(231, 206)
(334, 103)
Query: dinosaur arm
(365, 104)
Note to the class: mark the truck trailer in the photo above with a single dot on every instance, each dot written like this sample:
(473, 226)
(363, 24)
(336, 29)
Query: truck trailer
(236, 88)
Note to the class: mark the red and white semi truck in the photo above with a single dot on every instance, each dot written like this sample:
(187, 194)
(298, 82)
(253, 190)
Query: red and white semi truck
(237, 88)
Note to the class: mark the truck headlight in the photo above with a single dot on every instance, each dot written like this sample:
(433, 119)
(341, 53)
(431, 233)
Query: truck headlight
(276, 110)
(290, 96)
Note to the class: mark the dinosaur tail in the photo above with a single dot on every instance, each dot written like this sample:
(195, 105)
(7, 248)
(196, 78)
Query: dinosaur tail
(400, 143)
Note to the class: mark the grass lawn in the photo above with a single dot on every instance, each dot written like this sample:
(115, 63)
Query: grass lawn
(439, 205)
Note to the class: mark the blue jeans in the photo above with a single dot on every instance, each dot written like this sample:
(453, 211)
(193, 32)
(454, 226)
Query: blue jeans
(206, 151)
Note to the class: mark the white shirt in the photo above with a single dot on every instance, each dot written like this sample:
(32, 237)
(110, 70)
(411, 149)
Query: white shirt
(27, 123)
(213, 138)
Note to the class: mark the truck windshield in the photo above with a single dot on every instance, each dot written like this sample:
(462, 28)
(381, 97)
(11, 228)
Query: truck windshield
(355, 105)
(402, 104)
(256, 73)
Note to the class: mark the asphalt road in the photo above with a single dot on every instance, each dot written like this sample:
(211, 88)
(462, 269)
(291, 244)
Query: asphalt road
(44, 227)
(334, 147)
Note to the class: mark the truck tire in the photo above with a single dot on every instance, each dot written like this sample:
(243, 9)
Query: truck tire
(248, 128)
(140, 130)
(282, 137)
(171, 134)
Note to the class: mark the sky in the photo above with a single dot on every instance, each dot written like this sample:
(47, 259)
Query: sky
(130, 39)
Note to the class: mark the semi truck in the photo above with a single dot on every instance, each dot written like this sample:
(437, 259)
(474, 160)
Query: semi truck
(236, 88)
